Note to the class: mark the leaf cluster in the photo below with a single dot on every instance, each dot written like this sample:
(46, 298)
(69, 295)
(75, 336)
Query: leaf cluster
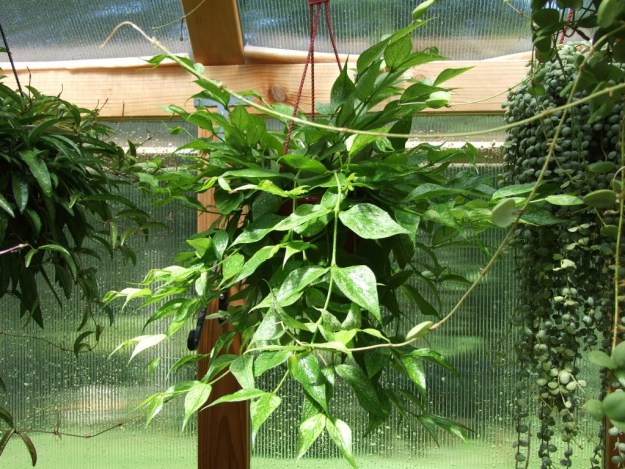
(331, 245)
(59, 183)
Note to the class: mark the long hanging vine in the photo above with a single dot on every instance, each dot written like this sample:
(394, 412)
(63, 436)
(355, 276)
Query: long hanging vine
(565, 270)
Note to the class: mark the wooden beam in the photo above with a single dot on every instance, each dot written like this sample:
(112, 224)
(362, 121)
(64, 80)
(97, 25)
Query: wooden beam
(271, 55)
(141, 92)
(223, 430)
(214, 31)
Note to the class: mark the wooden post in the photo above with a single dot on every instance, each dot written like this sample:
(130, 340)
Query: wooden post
(223, 430)
(214, 31)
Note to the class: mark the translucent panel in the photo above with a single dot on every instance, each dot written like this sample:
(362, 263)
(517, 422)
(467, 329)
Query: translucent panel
(47, 30)
(50, 389)
(153, 136)
(479, 343)
(460, 125)
(461, 29)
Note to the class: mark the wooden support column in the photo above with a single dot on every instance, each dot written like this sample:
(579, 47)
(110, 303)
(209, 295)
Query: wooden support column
(214, 31)
(223, 430)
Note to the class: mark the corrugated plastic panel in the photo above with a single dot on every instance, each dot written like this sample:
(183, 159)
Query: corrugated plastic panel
(50, 30)
(461, 29)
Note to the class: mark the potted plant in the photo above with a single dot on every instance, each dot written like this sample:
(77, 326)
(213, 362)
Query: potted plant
(60, 208)
(325, 240)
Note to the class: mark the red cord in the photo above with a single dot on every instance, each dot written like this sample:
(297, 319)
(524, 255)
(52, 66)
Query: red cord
(568, 20)
(314, 9)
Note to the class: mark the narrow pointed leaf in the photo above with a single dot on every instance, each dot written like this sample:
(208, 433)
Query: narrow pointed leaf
(30, 446)
(39, 171)
(195, 398)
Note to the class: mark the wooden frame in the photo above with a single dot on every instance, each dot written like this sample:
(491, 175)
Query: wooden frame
(139, 91)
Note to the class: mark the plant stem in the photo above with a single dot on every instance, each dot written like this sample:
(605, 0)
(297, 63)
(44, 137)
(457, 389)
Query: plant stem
(13, 249)
(532, 194)
(619, 238)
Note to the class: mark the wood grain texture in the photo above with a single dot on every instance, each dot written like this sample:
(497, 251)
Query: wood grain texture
(141, 92)
(223, 430)
(214, 31)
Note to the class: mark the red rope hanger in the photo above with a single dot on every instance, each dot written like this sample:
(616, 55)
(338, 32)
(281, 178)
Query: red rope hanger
(314, 13)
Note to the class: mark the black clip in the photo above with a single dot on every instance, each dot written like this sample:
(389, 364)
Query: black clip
(193, 340)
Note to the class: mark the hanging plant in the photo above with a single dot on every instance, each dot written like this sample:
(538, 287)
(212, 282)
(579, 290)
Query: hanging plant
(565, 271)
(326, 241)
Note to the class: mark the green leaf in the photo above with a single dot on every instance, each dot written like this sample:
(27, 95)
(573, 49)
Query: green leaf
(146, 341)
(20, 191)
(305, 369)
(270, 328)
(371, 222)
(449, 73)
(201, 245)
(365, 392)
(258, 229)
(415, 371)
(564, 200)
(355, 143)
(438, 99)
(602, 198)
(370, 55)
(6, 206)
(5, 439)
(305, 163)
(341, 434)
(267, 360)
(434, 357)
(309, 431)
(546, 17)
(39, 170)
(516, 189)
(232, 265)
(419, 330)
(358, 283)
(609, 12)
(291, 289)
(342, 89)
(6, 416)
(398, 51)
(302, 216)
(259, 257)
(598, 357)
(195, 398)
(422, 8)
(261, 409)
(413, 295)
(239, 396)
(504, 213)
(30, 446)
(243, 370)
